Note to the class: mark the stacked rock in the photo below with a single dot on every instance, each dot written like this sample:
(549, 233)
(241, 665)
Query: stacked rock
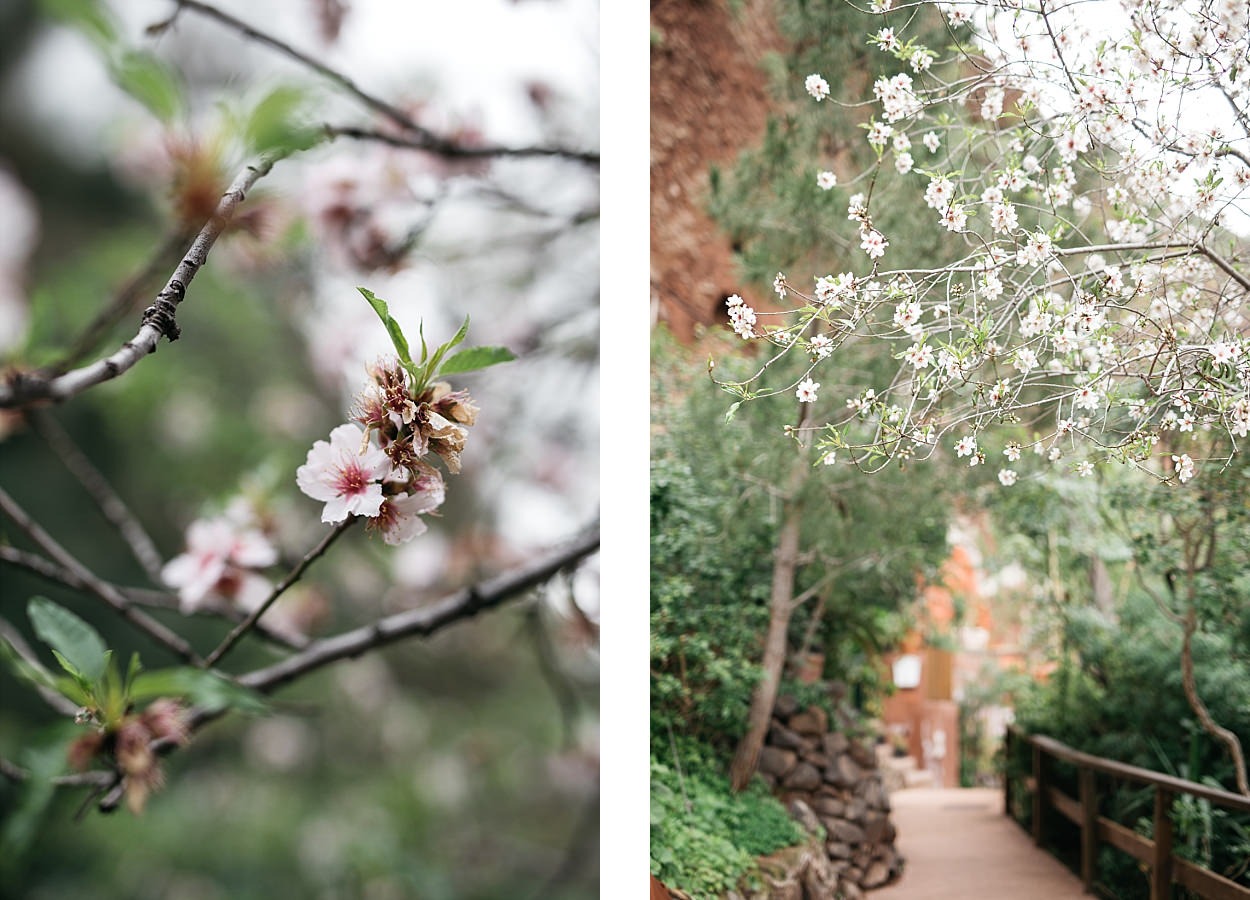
(829, 780)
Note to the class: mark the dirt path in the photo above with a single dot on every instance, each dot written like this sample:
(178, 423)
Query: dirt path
(960, 846)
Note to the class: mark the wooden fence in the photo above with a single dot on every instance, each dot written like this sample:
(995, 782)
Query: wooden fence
(1166, 869)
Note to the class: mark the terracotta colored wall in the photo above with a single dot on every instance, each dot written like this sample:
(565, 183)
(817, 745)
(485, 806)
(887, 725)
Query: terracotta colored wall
(925, 710)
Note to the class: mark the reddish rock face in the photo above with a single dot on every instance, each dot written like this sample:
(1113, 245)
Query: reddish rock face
(709, 100)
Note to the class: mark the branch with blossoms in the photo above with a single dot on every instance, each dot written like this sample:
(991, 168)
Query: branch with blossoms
(274, 133)
(23, 389)
(378, 467)
(1089, 198)
(411, 134)
(132, 772)
(387, 466)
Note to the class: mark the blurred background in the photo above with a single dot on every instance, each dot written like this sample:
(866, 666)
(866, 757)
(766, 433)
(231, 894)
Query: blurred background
(461, 766)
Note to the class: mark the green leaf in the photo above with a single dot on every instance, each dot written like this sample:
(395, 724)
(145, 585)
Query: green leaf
(442, 351)
(731, 412)
(134, 669)
(205, 689)
(392, 327)
(476, 358)
(276, 124)
(67, 665)
(77, 690)
(70, 636)
(88, 16)
(150, 81)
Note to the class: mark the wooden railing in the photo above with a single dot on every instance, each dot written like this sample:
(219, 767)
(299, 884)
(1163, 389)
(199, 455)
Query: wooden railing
(1165, 867)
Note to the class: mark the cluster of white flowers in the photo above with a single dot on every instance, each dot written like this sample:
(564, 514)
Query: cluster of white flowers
(742, 317)
(817, 87)
(834, 291)
(897, 99)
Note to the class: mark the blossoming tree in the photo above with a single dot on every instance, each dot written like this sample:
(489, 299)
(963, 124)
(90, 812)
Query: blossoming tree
(1082, 173)
(358, 202)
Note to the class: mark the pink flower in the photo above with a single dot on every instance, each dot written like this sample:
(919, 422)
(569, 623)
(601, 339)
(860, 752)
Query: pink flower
(345, 473)
(219, 550)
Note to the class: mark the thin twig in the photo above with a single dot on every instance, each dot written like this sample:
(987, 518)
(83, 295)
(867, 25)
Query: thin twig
(94, 585)
(12, 771)
(293, 576)
(424, 138)
(111, 505)
(1224, 264)
(447, 148)
(158, 319)
(463, 604)
(60, 703)
(557, 681)
(123, 302)
(210, 606)
(394, 113)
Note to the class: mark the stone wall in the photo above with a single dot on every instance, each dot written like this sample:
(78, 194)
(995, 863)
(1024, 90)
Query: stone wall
(829, 780)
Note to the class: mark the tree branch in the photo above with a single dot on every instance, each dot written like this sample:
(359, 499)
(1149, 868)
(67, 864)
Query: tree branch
(1224, 265)
(92, 584)
(61, 704)
(12, 771)
(1224, 735)
(423, 138)
(122, 303)
(110, 504)
(394, 113)
(463, 604)
(557, 681)
(50, 571)
(293, 576)
(158, 319)
(447, 148)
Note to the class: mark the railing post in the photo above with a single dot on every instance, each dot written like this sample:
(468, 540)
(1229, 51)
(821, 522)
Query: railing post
(1008, 748)
(1089, 826)
(1161, 871)
(1039, 793)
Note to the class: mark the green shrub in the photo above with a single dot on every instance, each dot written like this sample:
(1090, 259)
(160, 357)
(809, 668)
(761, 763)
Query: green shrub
(705, 838)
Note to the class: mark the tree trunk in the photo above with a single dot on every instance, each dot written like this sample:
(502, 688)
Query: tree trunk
(781, 607)
(1228, 738)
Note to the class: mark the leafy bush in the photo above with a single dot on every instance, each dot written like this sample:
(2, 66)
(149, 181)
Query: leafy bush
(1095, 702)
(704, 838)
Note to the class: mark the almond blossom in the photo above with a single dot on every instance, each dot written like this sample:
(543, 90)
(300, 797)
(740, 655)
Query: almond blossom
(817, 87)
(346, 474)
(221, 554)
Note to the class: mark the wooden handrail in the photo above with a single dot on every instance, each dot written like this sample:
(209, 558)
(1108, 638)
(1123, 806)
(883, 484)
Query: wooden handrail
(1134, 773)
(1166, 868)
